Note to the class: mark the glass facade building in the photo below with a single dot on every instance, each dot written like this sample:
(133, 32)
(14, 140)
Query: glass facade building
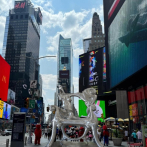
(86, 43)
(21, 46)
(65, 64)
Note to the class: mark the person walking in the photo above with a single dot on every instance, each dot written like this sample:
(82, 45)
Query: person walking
(48, 132)
(45, 132)
(126, 134)
(139, 136)
(106, 136)
(37, 134)
(134, 136)
(101, 136)
(60, 134)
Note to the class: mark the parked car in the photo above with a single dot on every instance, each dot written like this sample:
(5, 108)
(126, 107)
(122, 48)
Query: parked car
(6, 132)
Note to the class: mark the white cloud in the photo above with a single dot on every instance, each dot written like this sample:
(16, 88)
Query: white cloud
(5, 5)
(49, 81)
(77, 52)
(76, 84)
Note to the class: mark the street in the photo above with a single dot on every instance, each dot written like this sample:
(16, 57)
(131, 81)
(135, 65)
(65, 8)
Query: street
(44, 142)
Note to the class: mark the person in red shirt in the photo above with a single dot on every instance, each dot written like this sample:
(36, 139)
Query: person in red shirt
(81, 132)
(37, 134)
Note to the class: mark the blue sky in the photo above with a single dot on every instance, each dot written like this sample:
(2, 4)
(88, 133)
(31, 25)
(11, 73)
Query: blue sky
(70, 18)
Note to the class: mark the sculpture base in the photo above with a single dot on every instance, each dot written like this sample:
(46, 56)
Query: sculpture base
(74, 144)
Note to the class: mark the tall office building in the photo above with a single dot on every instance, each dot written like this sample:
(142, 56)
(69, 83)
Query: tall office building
(97, 36)
(40, 84)
(65, 65)
(22, 40)
(86, 44)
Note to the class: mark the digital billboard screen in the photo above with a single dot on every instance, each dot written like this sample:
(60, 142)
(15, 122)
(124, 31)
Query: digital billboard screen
(64, 74)
(20, 6)
(40, 105)
(4, 79)
(128, 41)
(83, 72)
(5, 110)
(100, 109)
(11, 97)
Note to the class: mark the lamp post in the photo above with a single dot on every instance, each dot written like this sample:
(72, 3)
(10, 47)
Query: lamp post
(35, 59)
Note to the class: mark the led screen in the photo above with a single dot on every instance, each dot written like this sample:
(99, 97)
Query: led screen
(100, 109)
(40, 105)
(4, 79)
(128, 41)
(104, 64)
(5, 110)
(11, 97)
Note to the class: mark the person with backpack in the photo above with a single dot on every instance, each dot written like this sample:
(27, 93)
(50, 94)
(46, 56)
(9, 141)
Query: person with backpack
(106, 136)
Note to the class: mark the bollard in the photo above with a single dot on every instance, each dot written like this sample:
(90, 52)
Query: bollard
(7, 142)
(26, 140)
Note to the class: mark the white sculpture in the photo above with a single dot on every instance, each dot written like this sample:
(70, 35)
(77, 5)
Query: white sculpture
(64, 115)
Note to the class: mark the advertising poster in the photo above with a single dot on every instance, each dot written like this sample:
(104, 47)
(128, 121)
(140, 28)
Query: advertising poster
(127, 41)
(100, 109)
(11, 97)
(1, 108)
(40, 105)
(104, 64)
(6, 111)
(4, 78)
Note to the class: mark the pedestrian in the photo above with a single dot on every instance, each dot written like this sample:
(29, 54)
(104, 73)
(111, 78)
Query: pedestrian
(126, 134)
(45, 132)
(99, 133)
(101, 137)
(37, 134)
(57, 133)
(106, 136)
(81, 132)
(48, 132)
(60, 134)
(90, 135)
(139, 136)
(134, 136)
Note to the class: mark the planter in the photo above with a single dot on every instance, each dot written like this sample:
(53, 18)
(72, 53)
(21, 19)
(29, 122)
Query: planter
(117, 141)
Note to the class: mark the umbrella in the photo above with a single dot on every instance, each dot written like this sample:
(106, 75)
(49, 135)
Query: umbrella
(120, 120)
(127, 119)
(110, 119)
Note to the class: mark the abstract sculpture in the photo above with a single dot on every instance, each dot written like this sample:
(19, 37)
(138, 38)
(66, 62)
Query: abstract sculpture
(64, 116)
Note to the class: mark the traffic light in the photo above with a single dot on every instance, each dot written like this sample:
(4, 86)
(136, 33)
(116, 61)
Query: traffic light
(47, 109)
(27, 103)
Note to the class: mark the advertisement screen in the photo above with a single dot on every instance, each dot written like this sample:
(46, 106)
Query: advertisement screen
(11, 97)
(64, 74)
(4, 79)
(91, 70)
(40, 105)
(100, 109)
(128, 41)
(104, 64)
(83, 72)
(5, 110)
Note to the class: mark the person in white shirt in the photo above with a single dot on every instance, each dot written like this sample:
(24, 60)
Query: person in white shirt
(126, 134)
(139, 136)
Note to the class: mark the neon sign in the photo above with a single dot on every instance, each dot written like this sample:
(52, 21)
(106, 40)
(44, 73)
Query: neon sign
(20, 5)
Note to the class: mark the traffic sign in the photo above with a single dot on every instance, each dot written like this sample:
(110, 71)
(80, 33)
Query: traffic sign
(32, 104)
(33, 84)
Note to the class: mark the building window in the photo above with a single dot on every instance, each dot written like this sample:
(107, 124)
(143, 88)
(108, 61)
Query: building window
(21, 16)
(16, 16)
(26, 16)
(11, 17)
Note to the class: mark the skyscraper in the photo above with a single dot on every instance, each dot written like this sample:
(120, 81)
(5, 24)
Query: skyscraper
(97, 36)
(21, 45)
(65, 65)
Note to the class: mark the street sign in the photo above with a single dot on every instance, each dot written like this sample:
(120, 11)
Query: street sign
(32, 104)
(33, 84)
(36, 93)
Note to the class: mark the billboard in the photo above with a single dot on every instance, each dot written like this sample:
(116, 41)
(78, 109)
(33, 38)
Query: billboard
(127, 41)
(40, 105)
(91, 70)
(4, 79)
(64, 74)
(100, 109)
(104, 64)
(11, 97)
(20, 5)
(39, 17)
(5, 110)
(83, 72)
